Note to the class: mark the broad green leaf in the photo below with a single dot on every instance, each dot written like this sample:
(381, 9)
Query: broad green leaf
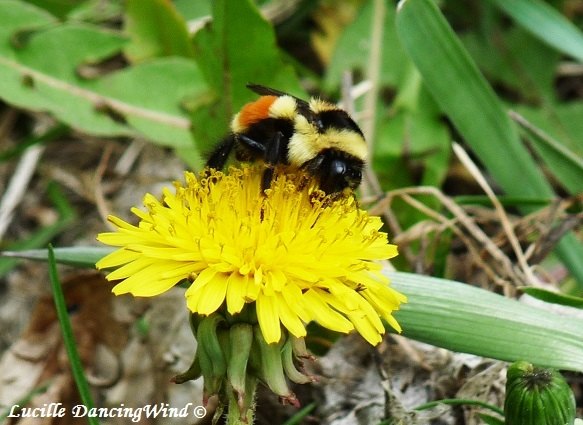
(193, 9)
(33, 85)
(156, 29)
(96, 11)
(464, 95)
(157, 90)
(236, 48)
(467, 319)
(21, 16)
(59, 8)
(546, 23)
(553, 297)
(145, 99)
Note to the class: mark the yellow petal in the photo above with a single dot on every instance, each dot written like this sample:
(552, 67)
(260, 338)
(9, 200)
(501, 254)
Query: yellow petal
(325, 315)
(201, 280)
(289, 318)
(117, 258)
(236, 292)
(213, 295)
(268, 319)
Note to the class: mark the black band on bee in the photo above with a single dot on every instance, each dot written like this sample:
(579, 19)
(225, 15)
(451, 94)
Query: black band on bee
(337, 119)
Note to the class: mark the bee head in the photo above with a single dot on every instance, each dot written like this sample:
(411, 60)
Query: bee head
(336, 171)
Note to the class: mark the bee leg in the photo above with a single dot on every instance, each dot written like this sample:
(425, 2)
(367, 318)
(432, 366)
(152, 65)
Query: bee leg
(272, 158)
(251, 144)
(218, 157)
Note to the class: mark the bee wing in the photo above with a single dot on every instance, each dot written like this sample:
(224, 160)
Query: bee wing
(266, 91)
(303, 106)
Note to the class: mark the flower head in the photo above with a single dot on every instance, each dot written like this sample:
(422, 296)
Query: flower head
(295, 252)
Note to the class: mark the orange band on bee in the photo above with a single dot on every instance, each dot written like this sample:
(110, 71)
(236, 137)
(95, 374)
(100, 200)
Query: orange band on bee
(255, 111)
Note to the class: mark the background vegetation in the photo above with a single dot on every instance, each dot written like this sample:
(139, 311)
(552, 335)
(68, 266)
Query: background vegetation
(473, 112)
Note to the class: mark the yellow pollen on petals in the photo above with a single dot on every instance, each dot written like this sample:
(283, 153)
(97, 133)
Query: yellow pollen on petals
(295, 252)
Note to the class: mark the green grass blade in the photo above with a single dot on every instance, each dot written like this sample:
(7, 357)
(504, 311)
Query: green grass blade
(53, 133)
(467, 319)
(460, 402)
(68, 337)
(546, 23)
(465, 96)
(490, 420)
(299, 416)
(553, 297)
(72, 256)
(505, 201)
(563, 163)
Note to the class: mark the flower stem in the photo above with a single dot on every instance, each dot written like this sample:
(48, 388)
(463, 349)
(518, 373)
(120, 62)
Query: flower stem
(235, 415)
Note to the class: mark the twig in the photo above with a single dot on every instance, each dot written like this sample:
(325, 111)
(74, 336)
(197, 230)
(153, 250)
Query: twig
(128, 158)
(460, 216)
(570, 69)
(508, 229)
(347, 93)
(98, 191)
(18, 184)
(472, 229)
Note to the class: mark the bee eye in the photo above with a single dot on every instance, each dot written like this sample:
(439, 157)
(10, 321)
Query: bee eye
(319, 124)
(338, 168)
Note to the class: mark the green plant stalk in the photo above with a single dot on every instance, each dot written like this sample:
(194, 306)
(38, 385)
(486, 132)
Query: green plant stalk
(69, 338)
(234, 415)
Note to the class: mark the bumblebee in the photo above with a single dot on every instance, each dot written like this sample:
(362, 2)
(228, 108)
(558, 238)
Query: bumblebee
(280, 129)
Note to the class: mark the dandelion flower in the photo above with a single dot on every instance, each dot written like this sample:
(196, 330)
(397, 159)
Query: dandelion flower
(296, 253)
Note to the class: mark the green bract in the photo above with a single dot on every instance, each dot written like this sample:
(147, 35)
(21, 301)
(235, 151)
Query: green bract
(537, 396)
